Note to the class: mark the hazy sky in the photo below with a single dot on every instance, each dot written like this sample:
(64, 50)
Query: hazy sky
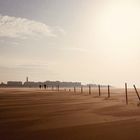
(94, 41)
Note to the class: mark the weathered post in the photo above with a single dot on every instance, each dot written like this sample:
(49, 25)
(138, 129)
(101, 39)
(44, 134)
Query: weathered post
(126, 93)
(81, 89)
(52, 87)
(58, 87)
(74, 89)
(137, 92)
(108, 91)
(89, 90)
(99, 90)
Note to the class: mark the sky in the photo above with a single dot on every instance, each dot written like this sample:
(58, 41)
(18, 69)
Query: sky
(91, 41)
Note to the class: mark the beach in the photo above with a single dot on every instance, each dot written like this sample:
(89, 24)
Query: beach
(27, 113)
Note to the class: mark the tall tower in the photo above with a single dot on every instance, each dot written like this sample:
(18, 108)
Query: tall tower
(27, 79)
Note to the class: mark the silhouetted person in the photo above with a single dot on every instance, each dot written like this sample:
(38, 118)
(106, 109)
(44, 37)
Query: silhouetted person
(40, 86)
(45, 86)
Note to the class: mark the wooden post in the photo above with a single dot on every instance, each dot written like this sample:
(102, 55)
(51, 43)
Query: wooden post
(108, 91)
(58, 87)
(126, 93)
(81, 89)
(99, 90)
(137, 92)
(52, 87)
(89, 90)
(74, 89)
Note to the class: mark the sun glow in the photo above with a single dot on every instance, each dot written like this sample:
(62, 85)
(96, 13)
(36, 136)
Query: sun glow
(120, 23)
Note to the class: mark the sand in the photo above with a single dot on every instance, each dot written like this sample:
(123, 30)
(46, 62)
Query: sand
(33, 114)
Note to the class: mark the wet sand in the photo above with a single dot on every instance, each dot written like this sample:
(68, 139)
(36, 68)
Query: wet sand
(33, 114)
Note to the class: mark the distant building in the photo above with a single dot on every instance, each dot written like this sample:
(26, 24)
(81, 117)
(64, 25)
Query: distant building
(31, 84)
(62, 84)
(28, 83)
(27, 79)
(14, 84)
(51, 83)
(3, 84)
(92, 85)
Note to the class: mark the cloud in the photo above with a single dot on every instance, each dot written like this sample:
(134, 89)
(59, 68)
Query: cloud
(32, 66)
(59, 30)
(17, 27)
(25, 66)
(78, 49)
